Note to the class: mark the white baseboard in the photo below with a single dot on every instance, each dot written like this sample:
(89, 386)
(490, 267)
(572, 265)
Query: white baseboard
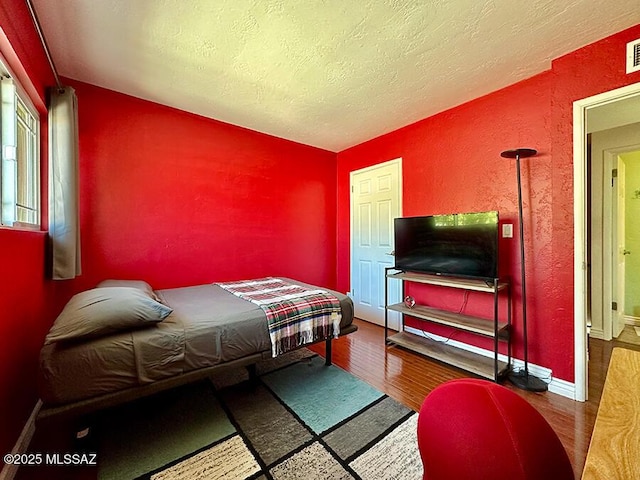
(8, 472)
(557, 386)
(596, 333)
(631, 320)
(563, 388)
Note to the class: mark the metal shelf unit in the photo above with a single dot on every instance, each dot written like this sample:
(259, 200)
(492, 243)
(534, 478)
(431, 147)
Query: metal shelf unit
(500, 331)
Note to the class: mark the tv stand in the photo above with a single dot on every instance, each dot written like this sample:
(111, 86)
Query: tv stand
(490, 367)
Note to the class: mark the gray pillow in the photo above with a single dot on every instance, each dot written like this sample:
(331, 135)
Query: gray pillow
(102, 311)
(139, 284)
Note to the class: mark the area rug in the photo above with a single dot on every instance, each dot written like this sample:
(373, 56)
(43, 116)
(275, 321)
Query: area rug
(303, 420)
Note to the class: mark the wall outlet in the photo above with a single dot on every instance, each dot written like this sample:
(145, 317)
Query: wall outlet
(507, 230)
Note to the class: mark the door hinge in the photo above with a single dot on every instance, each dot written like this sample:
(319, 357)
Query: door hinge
(614, 175)
(614, 305)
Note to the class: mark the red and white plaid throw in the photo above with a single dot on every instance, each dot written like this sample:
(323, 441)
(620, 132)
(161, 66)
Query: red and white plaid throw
(296, 315)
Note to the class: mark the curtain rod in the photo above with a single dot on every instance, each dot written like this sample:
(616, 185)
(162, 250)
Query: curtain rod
(36, 23)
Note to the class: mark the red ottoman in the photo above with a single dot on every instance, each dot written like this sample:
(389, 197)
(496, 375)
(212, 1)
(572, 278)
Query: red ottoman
(476, 429)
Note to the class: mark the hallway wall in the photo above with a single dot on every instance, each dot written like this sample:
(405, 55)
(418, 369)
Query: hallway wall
(632, 234)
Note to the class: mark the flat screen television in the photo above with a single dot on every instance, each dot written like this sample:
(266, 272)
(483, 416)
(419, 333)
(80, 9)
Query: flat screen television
(459, 245)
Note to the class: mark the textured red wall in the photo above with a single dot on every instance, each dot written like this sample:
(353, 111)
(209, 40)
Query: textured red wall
(452, 163)
(593, 69)
(24, 295)
(24, 292)
(177, 199)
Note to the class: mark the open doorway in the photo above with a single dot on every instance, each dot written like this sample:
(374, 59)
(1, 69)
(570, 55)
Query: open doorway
(613, 271)
(594, 245)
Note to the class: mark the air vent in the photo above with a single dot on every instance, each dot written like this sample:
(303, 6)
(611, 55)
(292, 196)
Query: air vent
(633, 56)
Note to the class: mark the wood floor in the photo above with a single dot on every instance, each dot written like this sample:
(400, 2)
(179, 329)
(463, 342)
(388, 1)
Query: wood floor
(408, 378)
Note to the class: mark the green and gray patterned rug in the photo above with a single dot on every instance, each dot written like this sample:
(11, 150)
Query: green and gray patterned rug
(299, 421)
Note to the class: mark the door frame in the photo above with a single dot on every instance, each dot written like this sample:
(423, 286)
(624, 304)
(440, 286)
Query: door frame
(580, 260)
(352, 174)
(617, 206)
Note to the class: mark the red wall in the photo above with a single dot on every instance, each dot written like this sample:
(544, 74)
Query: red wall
(177, 199)
(25, 294)
(452, 163)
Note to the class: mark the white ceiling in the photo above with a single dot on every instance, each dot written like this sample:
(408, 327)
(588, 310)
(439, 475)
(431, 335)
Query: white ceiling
(327, 73)
(615, 114)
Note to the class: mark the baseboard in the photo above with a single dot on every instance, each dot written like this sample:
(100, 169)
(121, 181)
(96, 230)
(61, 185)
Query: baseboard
(557, 386)
(596, 333)
(631, 320)
(563, 388)
(8, 472)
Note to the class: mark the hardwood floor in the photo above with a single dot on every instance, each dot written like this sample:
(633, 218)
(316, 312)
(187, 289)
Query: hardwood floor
(409, 377)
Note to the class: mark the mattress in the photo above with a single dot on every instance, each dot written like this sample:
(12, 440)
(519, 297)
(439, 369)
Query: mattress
(208, 326)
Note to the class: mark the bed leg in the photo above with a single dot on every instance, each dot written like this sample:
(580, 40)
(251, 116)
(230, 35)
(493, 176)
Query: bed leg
(84, 438)
(327, 352)
(253, 374)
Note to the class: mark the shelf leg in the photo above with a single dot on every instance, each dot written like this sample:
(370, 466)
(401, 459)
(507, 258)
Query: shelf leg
(496, 294)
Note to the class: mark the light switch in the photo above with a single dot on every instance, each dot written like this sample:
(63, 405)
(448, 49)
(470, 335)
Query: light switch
(507, 230)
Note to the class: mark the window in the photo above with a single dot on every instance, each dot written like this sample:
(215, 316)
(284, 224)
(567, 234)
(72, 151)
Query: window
(461, 219)
(20, 173)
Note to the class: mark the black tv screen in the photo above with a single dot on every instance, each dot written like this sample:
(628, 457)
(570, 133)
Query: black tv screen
(461, 245)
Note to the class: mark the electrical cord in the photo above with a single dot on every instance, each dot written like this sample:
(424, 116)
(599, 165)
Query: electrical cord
(445, 341)
(425, 334)
(464, 301)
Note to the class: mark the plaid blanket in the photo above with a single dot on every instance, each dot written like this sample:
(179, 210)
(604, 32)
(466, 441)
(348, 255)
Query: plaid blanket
(296, 315)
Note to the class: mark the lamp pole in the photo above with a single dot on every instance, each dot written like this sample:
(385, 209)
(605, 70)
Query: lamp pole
(522, 379)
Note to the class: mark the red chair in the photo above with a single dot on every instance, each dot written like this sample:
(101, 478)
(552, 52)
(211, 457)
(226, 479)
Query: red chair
(478, 430)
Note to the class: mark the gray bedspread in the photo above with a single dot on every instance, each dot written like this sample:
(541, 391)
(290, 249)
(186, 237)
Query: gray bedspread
(208, 326)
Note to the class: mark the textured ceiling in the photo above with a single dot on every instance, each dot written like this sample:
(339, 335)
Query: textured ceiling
(327, 73)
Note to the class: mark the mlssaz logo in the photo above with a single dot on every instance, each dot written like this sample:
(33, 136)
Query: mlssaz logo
(72, 459)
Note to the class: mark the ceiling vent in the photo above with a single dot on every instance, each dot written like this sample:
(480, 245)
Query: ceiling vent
(633, 56)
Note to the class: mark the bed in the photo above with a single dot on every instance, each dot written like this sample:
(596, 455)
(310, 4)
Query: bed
(94, 363)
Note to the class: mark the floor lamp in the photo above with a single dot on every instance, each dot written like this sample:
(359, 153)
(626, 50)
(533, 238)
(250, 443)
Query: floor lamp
(522, 379)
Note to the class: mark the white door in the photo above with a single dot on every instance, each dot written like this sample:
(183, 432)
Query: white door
(619, 249)
(375, 202)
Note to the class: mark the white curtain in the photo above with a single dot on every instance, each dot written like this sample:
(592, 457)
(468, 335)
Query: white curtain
(64, 221)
